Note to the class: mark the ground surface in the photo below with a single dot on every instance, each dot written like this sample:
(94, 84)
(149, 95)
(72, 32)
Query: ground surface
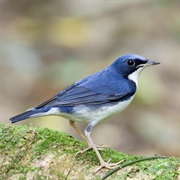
(34, 153)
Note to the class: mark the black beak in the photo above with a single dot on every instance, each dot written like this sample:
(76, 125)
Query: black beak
(149, 63)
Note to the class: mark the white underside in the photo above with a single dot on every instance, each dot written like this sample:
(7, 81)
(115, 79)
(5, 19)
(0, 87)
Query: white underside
(52, 111)
(86, 114)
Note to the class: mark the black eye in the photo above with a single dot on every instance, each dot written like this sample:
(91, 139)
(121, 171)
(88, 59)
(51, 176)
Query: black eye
(130, 63)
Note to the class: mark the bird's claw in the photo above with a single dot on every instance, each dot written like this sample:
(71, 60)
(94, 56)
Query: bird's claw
(99, 147)
(108, 165)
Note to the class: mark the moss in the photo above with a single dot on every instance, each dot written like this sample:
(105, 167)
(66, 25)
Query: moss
(164, 169)
(56, 141)
(46, 154)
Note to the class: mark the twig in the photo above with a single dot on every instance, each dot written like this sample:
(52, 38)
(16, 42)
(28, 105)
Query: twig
(130, 163)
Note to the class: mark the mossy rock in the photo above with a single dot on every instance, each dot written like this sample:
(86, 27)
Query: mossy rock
(36, 153)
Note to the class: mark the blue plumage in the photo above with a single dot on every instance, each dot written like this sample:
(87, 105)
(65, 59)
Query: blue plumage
(95, 97)
(100, 88)
(29, 113)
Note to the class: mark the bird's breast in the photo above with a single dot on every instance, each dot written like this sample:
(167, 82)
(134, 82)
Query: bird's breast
(95, 115)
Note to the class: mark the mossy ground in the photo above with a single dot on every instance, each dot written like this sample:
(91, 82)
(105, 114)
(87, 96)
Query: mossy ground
(35, 153)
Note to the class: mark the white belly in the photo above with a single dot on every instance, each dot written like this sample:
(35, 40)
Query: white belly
(87, 114)
(84, 113)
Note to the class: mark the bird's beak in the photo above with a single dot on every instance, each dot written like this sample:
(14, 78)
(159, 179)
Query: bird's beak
(149, 63)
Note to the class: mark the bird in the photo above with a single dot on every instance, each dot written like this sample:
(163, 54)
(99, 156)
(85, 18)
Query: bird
(95, 98)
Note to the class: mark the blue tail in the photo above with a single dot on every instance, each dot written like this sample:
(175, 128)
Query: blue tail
(23, 116)
(29, 114)
(43, 111)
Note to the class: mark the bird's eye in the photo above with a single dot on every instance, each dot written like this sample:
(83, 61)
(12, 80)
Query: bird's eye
(130, 63)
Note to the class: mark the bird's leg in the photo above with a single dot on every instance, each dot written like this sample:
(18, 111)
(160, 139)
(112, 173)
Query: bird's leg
(103, 164)
(72, 123)
(100, 147)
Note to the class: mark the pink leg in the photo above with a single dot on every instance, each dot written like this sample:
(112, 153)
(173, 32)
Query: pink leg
(100, 147)
(72, 123)
(103, 164)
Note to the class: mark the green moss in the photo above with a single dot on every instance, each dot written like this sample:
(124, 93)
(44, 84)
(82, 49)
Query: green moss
(47, 154)
(54, 140)
(164, 169)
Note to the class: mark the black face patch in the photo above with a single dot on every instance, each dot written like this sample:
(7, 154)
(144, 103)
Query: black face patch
(139, 63)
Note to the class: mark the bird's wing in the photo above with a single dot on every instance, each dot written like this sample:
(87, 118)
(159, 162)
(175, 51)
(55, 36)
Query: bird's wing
(78, 95)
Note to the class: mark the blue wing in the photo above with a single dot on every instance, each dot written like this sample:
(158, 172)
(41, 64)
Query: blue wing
(77, 95)
(100, 88)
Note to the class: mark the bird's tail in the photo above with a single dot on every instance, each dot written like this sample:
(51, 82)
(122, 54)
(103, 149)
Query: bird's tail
(28, 114)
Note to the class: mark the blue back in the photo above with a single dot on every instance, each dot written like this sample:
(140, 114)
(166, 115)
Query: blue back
(109, 85)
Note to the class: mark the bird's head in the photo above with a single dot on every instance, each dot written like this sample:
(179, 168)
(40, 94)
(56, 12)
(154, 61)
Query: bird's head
(131, 65)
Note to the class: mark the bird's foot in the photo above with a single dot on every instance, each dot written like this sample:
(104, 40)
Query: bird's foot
(99, 147)
(108, 165)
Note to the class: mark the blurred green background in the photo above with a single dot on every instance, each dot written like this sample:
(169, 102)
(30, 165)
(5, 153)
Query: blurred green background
(48, 44)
